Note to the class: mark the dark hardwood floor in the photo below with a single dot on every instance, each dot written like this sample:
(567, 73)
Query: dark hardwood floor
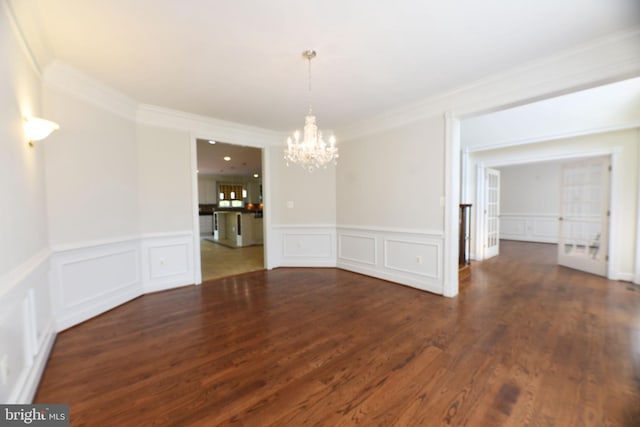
(525, 343)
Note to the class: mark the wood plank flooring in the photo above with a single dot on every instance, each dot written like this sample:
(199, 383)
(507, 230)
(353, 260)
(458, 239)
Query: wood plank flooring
(525, 343)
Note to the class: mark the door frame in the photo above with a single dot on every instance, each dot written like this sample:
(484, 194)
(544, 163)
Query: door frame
(614, 154)
(480, 222)
(266, 197)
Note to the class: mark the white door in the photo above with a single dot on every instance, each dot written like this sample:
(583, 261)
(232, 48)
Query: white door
(584, 215)
(492, 212)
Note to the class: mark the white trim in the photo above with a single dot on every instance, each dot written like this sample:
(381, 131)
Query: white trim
(304, 226)
(27, 390)
(124, 239)
(267, 234)
(430, 233)
(67, 247)
(208, 127)
(177, 252)
(452, 204)
(303, 246)
(554, 137)
(549, 157)
(529, 227)
(165, 234)
(195, 215)
(480, 236)
(67, 79)
(576, 67)
(636, 267)
(622, 276)
(22, 271)
(358, 236)
(613, 152)
(22, 41)
(105, 294)
(438, 262)
(543, 215)
(614, 179)
(377, 238)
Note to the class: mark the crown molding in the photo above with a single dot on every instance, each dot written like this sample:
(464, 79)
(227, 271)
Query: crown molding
(555, 136)
(604, 60)
(207, 127)
(68, 79)
(7, 8)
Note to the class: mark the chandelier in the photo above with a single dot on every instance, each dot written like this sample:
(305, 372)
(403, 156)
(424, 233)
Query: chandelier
(310, 152)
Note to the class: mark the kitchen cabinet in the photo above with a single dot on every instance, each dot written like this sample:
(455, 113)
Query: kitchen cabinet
(207, 190)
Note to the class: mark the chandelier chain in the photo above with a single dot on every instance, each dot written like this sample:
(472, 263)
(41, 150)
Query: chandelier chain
(309, 57)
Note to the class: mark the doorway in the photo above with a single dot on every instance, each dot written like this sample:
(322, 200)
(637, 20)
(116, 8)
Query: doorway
(584, 215)
(230, 209)
(564, 201)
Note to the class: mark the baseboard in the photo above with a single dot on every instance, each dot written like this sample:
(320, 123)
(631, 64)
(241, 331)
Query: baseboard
(98, 305)
(395, 278)
(623, 277)
(27, 391)
(99, 276)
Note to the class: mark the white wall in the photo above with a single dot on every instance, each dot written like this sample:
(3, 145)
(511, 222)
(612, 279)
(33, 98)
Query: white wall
(103, 158)
(300, 197)
(301, 213)
(624, 145)
(393, 178)
(26, 324)
(613, 58)
(164, 180)
(529, 202)
(92, 172)
(390, 217)
(530, 188)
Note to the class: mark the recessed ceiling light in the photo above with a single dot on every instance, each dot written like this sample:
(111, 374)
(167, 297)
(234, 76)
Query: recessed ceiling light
(255, 175)
(227, 158)
(211, 141)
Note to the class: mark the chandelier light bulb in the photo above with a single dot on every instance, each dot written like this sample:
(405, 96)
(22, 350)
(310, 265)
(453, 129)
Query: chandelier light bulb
(312, 151)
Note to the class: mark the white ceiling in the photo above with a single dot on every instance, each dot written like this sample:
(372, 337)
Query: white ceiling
(240, 60)
(245, 161)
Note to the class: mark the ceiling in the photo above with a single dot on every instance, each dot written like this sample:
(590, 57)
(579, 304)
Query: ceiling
(244, 161)
(241, 60)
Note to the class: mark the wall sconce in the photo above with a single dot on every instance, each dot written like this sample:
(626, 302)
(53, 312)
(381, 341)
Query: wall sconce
(37, 129)
(221, 196)
(244, 193)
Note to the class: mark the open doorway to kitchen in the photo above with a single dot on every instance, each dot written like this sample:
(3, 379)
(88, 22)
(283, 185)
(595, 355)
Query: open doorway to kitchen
(230, 207)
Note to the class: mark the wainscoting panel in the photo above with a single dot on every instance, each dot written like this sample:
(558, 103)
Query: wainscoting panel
(26, 328)
(421, 258)
(541, 228)
(90, 280)
(412, 258)
(357, 248)
(167, 261)
(303, 246)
